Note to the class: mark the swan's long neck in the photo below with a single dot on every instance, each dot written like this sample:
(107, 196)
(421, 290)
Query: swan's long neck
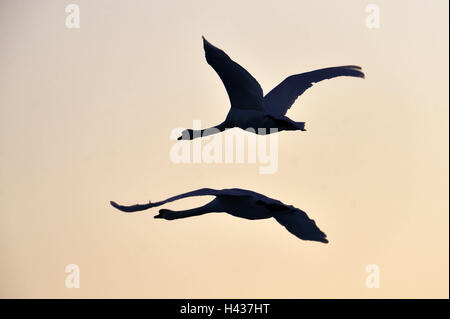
(210, 131)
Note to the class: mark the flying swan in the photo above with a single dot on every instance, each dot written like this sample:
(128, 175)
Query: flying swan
(249, 107)
(240, 203)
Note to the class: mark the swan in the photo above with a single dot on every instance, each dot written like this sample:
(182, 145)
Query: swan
(239, 203)
(249, 108)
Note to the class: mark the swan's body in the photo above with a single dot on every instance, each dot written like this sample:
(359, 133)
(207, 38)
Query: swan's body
(249, 107)
(240, 203)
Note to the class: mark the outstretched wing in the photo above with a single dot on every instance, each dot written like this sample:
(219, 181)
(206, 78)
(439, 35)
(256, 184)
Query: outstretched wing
(298, 223)
(198, 192)
(139, 207)
(278, 101)
(242, 88)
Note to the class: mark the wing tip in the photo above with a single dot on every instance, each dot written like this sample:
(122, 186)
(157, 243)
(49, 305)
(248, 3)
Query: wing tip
(318, 236)
(205, 42)
(119, 207)
(323, 240)
(357, 71)
(351, 66)
(116, 206)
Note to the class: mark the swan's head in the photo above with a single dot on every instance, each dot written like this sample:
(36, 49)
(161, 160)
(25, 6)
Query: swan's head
(187, 135)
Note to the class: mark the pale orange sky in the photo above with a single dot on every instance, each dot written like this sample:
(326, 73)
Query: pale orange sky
(85, 118)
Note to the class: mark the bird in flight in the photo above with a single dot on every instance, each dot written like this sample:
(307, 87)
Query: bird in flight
(249, 107)
(240, 203)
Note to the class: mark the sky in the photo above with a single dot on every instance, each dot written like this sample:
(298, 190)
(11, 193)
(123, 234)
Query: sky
(86, 116)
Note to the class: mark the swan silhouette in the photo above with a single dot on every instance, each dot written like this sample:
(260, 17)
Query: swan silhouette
(240, 203)
(249, 108)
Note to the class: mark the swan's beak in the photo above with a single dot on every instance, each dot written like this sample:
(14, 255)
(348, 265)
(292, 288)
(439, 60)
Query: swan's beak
(186, 134)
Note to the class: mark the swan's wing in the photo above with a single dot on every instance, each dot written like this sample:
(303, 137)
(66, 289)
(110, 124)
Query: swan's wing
(299, 224)
(131, 208)
(242, 88)
(278, 101)
(139, 207)
(198, 192)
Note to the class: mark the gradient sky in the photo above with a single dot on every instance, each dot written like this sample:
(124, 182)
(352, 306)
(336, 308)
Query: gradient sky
(85, 118)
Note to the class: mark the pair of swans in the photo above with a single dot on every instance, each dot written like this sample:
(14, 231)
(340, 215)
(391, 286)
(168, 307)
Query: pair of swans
(251, 109)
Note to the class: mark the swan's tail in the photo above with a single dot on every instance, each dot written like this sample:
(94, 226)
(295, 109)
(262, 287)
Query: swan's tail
(283, 123)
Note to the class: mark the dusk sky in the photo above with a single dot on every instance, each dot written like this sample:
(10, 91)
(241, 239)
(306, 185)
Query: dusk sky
(86, 115)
